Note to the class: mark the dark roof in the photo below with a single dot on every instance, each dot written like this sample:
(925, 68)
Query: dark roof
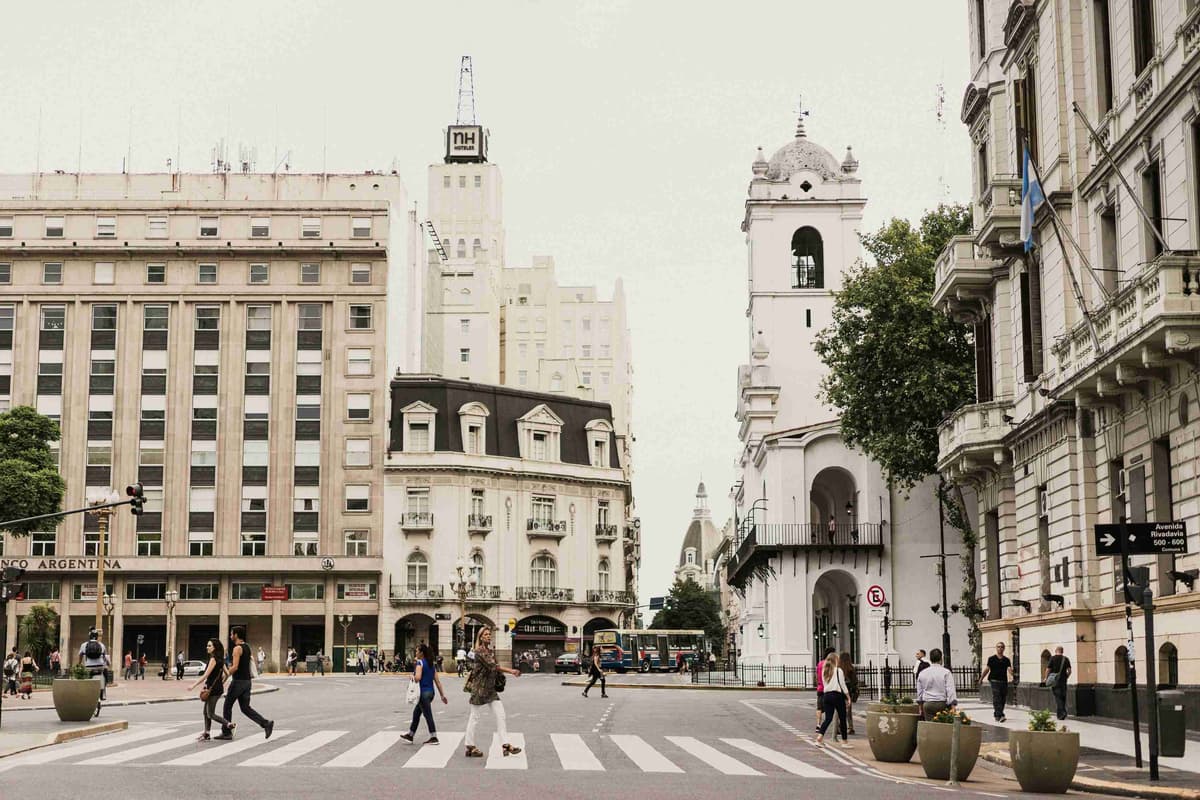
(694, 539)
(505, 406)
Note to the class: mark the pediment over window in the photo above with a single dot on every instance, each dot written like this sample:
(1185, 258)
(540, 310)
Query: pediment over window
(541, 415)
(418, 407)
(474, 409)
(599, 425)
(1022, 15)
(974, 101)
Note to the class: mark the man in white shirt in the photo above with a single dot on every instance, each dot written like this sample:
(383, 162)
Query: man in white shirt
(461, 657)
(935, 687)
(94, 656)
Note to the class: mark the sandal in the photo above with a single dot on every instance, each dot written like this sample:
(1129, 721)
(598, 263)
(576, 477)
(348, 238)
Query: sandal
(473, 752)
(204, 737)
(509, 750)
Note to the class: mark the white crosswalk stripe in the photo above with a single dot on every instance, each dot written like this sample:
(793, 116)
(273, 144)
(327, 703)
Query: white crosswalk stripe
(573, 754)
(496, 758)
(646, 757)
(366, 751)
(436, 756)
(47, 755)
(711, 756)
(214, 752)
(154, 748)
(293, 750)
(784, 762)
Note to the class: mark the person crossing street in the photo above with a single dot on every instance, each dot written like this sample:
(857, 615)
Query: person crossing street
(483, 688)
(596, 673)
(239, 687)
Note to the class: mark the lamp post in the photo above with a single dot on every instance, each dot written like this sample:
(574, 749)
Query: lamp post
(102, 497)
(344, 620)
(110, 603)
(850, 517)
(171, 597)
(462, 584)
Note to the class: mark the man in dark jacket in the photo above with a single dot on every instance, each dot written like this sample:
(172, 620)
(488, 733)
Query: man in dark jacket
(1058, 669)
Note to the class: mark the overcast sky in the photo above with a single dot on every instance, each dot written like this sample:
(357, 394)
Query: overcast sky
(625, 132)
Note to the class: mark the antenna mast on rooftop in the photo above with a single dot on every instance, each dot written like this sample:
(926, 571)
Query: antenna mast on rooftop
(940, 110)
(466, 93)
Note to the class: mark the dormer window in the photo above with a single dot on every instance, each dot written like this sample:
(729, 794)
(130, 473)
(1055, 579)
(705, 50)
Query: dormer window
(473, 419)
(418, 427)
(539, 447)
(599, 434)
(539, 433)
(690, 556)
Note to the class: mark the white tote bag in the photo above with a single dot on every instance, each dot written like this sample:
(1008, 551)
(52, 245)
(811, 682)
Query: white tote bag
(414, 692)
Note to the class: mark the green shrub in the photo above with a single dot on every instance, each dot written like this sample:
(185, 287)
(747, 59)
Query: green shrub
(1041, 721)
(948, 715)
(79, 672)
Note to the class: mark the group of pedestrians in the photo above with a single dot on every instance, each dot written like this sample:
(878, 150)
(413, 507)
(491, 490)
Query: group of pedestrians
(18, 674)
(135, 666)
(837, 691)
(240, 677)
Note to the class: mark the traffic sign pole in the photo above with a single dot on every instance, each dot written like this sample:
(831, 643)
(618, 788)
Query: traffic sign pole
(1151, 684)
(1133, 697)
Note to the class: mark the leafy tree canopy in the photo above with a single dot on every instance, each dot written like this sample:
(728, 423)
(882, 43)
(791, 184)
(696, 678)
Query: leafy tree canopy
(39, 631)
(29, 481)
(690, 606)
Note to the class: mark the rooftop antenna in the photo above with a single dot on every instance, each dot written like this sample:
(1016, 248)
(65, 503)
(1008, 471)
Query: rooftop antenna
(247, 158)
(940, 113)
(801, 113)
(466, 93)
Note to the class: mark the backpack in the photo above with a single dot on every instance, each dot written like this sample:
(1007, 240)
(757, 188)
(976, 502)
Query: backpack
(9, 668)
(93, 649)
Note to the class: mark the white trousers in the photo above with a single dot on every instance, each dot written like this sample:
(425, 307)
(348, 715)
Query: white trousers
(501, 722)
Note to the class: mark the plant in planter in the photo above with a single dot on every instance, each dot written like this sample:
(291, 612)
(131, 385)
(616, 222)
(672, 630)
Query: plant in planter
(1044, 758)
(892, 729)
(77, 696)
(933, 744)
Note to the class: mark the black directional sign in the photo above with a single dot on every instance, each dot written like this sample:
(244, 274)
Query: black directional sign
(1141, 538)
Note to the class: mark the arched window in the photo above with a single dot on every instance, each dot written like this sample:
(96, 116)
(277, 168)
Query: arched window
(462, 248)
(1121, 668)
(556, 382)
(477, 567)
(543, 572)
(808, 259)
(418, 571)
(1168, 666)
(1045, 662)
(602, 575)
(690, 556)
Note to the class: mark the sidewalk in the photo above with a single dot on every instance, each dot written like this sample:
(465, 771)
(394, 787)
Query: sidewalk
(30, 736)
(124, 693)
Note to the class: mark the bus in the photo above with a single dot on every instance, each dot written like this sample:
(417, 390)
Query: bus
(625, 649)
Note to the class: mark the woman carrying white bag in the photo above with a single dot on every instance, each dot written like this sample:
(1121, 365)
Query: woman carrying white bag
(420, 693)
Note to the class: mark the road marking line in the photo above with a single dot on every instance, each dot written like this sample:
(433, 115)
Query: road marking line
(60, 752)
(293, 750)
(496, 758)
(574, 754)
(214, 752)
(711, 756)
(436, 756)
(365, 751)
(138, 752)
(784, 762)
(642, 754)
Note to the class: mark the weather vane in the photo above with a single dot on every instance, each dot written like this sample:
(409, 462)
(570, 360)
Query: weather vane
(801, 113)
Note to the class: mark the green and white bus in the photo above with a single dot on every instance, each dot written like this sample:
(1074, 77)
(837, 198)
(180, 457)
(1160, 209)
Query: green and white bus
(624, 649)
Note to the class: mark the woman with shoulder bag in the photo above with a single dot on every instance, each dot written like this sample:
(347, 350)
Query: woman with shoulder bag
(214, 686)
(487, 679)
(836, 693)
(425, 677)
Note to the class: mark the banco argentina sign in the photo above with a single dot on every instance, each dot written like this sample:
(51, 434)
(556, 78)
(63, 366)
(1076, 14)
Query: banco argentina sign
(59, 563)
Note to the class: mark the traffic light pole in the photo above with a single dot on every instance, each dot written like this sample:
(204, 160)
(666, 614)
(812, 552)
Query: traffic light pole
(6, 524)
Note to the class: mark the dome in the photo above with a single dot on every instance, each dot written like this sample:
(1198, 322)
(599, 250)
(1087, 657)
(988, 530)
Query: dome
(801, 154)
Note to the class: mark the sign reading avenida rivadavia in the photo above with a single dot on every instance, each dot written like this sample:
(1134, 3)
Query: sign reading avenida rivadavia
(87, 564)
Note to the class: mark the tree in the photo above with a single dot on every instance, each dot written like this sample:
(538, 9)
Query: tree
(39, 631)
(897, 366)
(29, 481)
(690, 606)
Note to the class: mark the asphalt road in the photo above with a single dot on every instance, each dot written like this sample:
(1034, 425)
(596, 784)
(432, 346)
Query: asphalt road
(338, 737)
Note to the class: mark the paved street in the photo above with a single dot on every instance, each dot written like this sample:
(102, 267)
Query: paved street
(341, 734)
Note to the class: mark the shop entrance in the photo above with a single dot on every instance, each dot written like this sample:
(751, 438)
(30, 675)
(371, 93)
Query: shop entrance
(198, 636)
(308, 639)
(154, 641)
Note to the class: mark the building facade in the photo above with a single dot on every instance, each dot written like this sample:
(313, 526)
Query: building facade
(527, 492)
(821, 542)
(1087, 341)
(220, 338)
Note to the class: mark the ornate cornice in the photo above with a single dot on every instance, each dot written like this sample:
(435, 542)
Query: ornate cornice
(1022, 15)
(974, 100)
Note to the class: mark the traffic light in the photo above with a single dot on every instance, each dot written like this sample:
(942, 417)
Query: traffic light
(137, 498)
(9, 589)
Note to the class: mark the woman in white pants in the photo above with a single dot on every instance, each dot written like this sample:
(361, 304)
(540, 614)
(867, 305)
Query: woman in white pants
(482, 686)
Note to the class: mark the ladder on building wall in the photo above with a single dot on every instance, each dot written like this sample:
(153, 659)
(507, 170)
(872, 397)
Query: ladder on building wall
(437, 241)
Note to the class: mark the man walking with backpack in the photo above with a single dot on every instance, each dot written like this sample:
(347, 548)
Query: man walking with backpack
(239, 685)
(94, 656)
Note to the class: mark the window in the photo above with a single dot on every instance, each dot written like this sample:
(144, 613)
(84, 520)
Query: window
(200, 543)
(1108, 267)
(106, 227)
(358, 497)
(104, 318)
(360, 273)
(358, 361)
(543, 508)
(52, 273)
(356, 542)
(1143, 35)
(246, 591)
(462, 181)
(208, 318)
(1104, 58)
(1025, 112)
(99, 454)
(445, 181)
(417, 501)
(206, 273)
(200, 591)
(6, 227)
(464, 355)
(478, 181)
(462, 249)
(523, 377)
(602, 575)
(474, 439)
(42, 543)
(599, 452)
(156, 273)
(306, 500)
(477, 498)
(360, 318)
(310, 228)
(808, 259)
(360, 227)
(359, 590)
(980, 30)
(149, 543)
(309, 317)
(540, 349)
(54, 227)
(1031, 320)
(585, 351)
(464, 326)
(981, 168)
(556, 382)
(1152, 200)
(258, 318)
(260, 227)
(254, 544)
(155, 318)
(690, 556)
(358, 407)
(418, 437)
(5, 273)
(145, 591)
(418, 571)
(156, 227)
(102, 272)
(543, 572)
(91, 543)
(260, 273)
(310, 273)
(150, 454)
(586, 377)
(305, 543)
(604, 376)
(208, 227)
(538, 452)
(255, 453)
(477, 567)
(102, 376)
(476, 245)
(54, 318)
(358, 452)
(42, 590)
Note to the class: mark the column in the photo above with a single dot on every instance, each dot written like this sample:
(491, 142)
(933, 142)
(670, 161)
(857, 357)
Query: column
(118, 635)
(10, 630)
(223, 609)
(276, 654)
(330, 593)
(64, 625)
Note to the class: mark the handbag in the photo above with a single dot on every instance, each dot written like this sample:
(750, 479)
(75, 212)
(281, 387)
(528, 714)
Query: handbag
(414, 692)
(1052, 679)
(501, 681)
(205, 693)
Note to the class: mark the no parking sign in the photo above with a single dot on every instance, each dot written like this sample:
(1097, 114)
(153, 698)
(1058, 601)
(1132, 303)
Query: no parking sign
(876, 596)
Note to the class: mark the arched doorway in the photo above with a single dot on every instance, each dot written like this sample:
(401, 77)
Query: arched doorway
(537, 641)
(475, 623)
(412, 630)
(589, 630)
(835, 608)
(833, 507)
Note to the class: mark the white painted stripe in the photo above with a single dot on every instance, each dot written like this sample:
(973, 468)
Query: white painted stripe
(436, 756)
(293, 750)
(213, 752)
(784, 762)
(642, 754)
(711, 756)
(59, 752)
(574, 754)
(365, 751)
(143, 751)
(496, 758)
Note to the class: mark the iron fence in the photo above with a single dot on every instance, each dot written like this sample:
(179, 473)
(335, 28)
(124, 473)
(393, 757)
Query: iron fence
(873, 680)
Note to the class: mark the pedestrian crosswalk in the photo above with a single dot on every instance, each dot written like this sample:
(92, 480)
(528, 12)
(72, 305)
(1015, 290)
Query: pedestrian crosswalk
(173, 745)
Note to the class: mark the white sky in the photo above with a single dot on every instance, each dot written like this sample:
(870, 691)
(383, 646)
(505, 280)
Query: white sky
(625, 132)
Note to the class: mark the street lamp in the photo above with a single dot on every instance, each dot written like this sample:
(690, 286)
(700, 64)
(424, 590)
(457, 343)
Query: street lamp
(462, 584)
(110, 603)
(171, 597)
(850, 516)
(102, 497)
(344, 620)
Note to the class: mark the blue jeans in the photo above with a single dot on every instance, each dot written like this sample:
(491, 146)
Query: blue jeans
(424, 706)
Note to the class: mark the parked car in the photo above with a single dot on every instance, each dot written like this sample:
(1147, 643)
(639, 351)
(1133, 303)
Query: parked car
(195, 668)
(568, 662)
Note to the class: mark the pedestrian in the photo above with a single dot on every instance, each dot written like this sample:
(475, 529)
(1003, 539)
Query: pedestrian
(362, 662)
(239, 687)
(55, 662)
(142, 667)
(95, 660)
(427, 678)
(291, 661)
(821, 686)
(482, 686)
(262, 659)
(179, 666)
(935, 688)
(214, 686)
(460, 658)
(128, 674)
(834, 698)
(847, 665)
(596, 673)
(999, 671)
(1058, 670)
(712, 661)
(920, 665)
(28, 667)
(11, 665)
(832, 528)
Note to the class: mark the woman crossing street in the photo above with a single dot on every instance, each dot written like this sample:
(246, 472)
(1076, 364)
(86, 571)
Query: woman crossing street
(484, 692)
(596, 673)
(834, 699)
(427, 677)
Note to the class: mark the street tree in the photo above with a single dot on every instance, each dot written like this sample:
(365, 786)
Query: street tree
(39, 631)
(29, 481)
(897, 366)
(690, 606)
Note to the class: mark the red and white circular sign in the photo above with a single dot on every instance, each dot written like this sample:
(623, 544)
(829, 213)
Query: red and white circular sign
(876, 596)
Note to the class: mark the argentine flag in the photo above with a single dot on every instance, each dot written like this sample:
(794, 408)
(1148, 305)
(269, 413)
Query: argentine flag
(1031, 198)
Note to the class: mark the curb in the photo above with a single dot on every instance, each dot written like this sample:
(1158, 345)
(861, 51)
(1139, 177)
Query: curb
(688, 686)
(1108, 787)
(71, 735)
(154, 701)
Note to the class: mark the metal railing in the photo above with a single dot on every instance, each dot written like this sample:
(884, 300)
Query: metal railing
(873, 681)
(610, 597)
(546, 525)
(480, 592)
(538, 594)
(479, 522)
(416, 519)
(606, 532)
(418, 593)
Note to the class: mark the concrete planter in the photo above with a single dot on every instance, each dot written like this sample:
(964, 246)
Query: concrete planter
(893, 737)
(933, 743)
(75, 701)
(1044, 761)
(901, 708)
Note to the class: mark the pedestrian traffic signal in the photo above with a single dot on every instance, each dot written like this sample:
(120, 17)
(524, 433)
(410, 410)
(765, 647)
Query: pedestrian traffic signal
(137, 498)
(12, 574)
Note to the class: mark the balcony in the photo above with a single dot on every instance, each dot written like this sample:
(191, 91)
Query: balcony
(999, 219)
(483, 594)
(539, 595)
(1152, 321)
(610, 597)
(757, 542)
(606, 533)
(962, 279)
(418, 594)
(971, 440)
(477, 523)
(416, 521)
(548, 528)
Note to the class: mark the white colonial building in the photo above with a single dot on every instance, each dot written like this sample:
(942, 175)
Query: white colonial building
(817, 524)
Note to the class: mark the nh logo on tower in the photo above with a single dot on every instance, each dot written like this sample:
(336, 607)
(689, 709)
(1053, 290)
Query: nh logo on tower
(466, 144)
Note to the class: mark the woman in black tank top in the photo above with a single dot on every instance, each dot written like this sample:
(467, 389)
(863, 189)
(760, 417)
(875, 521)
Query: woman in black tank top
(214, 685)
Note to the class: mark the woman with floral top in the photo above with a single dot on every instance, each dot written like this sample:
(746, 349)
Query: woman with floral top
(482, 685)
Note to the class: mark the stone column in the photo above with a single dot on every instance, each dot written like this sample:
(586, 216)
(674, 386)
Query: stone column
(118, 633)
(10, 631)
(330, 593)
(223, 609)
(64, 626)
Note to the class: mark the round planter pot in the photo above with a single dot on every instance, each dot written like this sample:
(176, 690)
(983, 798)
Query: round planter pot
(1043, 761)
(75, 701)
(893, 737)
(933, 743)
(901, 708)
